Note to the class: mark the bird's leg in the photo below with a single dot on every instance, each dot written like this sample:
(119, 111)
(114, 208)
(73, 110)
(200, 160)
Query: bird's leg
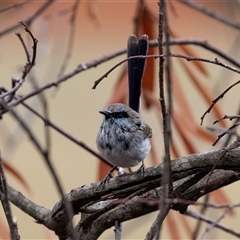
(107, 177)
(141, 170)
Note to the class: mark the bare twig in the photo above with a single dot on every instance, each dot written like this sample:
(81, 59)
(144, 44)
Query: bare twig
(203, 209)
(94, 63)
(165, 181)
(24, 46)
(201, 43)
(47, 122)
(45, 156)
(188, 58)
(27, 69)
(118, 64)
(30, 19)
(16, 5)
(215, 15)
(215, 61)
(201, 204)
(6, 205)
(234, 144)
(17, 83)
(66, 134)
(30, 208)
(212, 221)
(118, 230)
(214, 224)
(154, 230)
(168, 113)
(68, 55)
(217, 99)
(31, 62)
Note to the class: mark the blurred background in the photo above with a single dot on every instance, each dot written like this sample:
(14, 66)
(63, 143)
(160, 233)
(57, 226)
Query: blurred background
(102, 28)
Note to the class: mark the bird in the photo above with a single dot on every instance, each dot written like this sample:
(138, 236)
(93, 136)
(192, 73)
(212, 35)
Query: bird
(123, 137)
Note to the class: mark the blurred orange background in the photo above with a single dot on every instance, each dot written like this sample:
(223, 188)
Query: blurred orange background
(102, 27)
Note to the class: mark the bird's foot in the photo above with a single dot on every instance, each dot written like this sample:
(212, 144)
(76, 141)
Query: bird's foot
(106, 179)
(141, 170)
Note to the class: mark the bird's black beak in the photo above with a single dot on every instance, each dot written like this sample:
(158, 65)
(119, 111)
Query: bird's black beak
(106, 114)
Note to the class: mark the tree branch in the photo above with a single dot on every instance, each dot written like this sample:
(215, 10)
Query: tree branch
(185, 173)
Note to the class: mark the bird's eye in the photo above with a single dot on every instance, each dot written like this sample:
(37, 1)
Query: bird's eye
(139, 124)
(120, 114)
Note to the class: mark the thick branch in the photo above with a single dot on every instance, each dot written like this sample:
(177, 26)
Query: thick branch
(189, 178)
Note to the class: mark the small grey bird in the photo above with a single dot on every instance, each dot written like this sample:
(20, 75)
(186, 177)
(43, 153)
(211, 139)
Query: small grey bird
(123, 138)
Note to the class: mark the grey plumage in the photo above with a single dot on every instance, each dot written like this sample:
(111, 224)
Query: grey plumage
(123, 137)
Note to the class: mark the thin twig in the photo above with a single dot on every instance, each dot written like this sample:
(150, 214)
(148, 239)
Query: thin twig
(217, 99)
(71, 38)
(188, 58)
(30, 19)
(44, 103)
(48, 162)
(63, 132)
(59, 13)
(66, 134)
(201, 43)
(229, 130)
(215, 61)
(118, 230)
(16, 5)
(5, 202)
(164, 208)
(31, 62)
(154, 230)
(17, 83)
(168, 133)
(28, 67)
(85, 66)
(196, 215)
(203, 209)
(214, 224)
(120, 63)
(229, 136)
(37, 212)
(215, 15)
(24, 46)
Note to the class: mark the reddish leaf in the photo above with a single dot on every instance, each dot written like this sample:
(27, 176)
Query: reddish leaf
(174, 150)
(194, 129)
(204, 91)
(221, 198)
(4, 233)
(103, 169)
(173, 226)
(180, 99)
(92, 12)
(185, 140)
(186, 225)
(11, 170)
(148, 27)
(187, 50)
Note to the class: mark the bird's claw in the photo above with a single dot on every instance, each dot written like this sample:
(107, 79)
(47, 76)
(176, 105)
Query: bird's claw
(106, 179)
(141, 170)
